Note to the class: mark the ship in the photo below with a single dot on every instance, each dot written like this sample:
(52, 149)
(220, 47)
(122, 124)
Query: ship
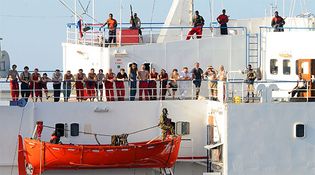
(221, 135)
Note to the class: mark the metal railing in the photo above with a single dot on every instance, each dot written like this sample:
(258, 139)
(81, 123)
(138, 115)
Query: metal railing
(228, 92)
(97, 36)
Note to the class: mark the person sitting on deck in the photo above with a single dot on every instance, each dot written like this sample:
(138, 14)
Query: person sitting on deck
(299, 88)
(55, 138)
(198, 23)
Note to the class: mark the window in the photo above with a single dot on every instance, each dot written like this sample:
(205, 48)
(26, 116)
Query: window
(183, 128)
(273, 66)
(286, 67)
(60, 129)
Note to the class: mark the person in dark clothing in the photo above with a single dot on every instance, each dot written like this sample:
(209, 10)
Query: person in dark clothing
(55, 138)
(301, 86)
(25, 85)
(223, 19)
(197, 74)
(277, 23)
(56, 79)
(163, 77)
(133, 74)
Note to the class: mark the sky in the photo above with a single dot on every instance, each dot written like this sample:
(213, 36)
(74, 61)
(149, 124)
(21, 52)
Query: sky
(33, 30)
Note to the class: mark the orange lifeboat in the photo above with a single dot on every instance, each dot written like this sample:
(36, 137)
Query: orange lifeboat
(40, 156)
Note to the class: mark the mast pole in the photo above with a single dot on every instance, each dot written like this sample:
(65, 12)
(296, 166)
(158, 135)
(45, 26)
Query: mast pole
(120, 27)
(75, 21)
(283, 7)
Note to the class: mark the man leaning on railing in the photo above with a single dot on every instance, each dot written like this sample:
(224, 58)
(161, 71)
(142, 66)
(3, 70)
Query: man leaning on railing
(301, 86)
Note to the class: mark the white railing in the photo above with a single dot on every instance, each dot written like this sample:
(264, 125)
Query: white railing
(228, 92)
(97, 36)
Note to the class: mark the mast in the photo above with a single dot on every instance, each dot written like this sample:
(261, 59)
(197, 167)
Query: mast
(75, 21)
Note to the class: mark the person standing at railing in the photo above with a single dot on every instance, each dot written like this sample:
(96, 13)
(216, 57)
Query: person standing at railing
(112, 25)
(43, 83)
(109, 85)
(25, 78)
(57, 79)
(13, 76)
(197, 75)
(277, 23)
(133, 74)
(185, 80)
(68, 78)
(250, 79)
(152, 91)
(222, 76)
(100, 77)
(223, 19)
(143, 76)
(35, 86)
(163, 77)
(91, 84)
(211, 76)
(173, 82)
(198, 23)
(79, 85)
(120, 84)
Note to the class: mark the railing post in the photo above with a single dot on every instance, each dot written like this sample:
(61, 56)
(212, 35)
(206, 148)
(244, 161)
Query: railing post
(242, 91)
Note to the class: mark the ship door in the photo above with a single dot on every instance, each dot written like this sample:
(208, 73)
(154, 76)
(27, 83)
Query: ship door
(307, 68)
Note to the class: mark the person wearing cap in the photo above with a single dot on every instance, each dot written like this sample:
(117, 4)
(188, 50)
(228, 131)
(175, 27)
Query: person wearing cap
(277, 22)
(25, 79)
(250, 79)
(198, 23)
(223, 19)
(197, 76)
(57, 79)
(13, 76)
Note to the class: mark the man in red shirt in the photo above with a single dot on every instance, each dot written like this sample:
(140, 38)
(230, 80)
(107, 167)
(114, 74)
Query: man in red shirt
(198, 23)
(277, 23)
(112, 25)
(223, 19)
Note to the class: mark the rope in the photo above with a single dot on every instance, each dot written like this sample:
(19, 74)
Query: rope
(142, 130)
(104, 135)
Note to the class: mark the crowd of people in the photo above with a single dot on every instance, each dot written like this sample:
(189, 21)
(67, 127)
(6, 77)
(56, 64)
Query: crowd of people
(91, 86)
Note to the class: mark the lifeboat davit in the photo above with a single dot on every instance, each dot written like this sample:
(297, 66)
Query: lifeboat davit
(40, 156)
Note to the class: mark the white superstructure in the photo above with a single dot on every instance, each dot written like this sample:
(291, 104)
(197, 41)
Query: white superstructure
(243, 139)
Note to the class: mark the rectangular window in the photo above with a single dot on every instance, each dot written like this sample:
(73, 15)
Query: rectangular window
(286, 67)
(273, 67)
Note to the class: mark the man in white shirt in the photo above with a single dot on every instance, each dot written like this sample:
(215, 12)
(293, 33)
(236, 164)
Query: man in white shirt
(185, 80)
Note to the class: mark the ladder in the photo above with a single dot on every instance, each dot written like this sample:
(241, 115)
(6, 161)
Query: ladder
(253, 50)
